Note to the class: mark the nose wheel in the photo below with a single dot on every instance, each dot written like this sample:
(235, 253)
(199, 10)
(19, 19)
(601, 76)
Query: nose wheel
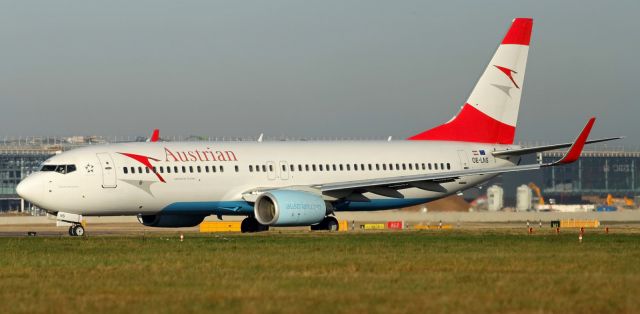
(76, 230)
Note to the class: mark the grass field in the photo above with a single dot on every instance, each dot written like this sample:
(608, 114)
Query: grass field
(441, 271)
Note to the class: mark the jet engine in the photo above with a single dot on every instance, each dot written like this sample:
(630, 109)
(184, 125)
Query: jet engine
(170, 221)
(289, 208)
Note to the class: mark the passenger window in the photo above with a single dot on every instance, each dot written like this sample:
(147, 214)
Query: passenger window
(334, 167)
(370, 167)
(348, 167)
(320, 168)
(390, 166)
(378, 167)
(168, 169)
(250, 168)
(404, 166)
(299, 167)
(125, 170)
(341, 169)
(155, 170)
(429, 166)
(257, 168)
(355, 167)
(213, 169)
(441, 166)
(175, 169)
(284, 168)
(448, 166)
(314, 167)
(206, 169)
(184, 169)
(410, 167)
(423, 168)
(271, 168)
(264, 168)
(161, 169)
(435, 166)
(306, 167)
(198, 169)
(133, 170)
(384, 166)
(139, 169)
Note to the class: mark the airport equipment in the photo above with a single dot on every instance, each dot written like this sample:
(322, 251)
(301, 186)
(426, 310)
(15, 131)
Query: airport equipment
(220, 226)
(524, 197)
(373, 226)
(495, 198)
(536, 189)
(579, 223)
(398, 225)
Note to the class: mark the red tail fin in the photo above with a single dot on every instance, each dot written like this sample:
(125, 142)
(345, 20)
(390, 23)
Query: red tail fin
(491, 112)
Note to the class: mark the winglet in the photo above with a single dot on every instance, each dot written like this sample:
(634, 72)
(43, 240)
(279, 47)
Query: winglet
(155, 136)
(576, 149)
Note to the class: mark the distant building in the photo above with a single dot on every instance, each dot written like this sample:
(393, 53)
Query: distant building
(596, 173)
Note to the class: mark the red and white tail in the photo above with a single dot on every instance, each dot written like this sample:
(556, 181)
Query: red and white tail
(491, 112)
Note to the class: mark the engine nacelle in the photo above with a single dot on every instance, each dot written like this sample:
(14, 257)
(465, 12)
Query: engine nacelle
(170, 221)
(289, 208)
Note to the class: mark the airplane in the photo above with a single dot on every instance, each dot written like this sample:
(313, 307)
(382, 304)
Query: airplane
(300, 183)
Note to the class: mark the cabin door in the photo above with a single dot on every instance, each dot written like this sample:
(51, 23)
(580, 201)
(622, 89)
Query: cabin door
(108, 170)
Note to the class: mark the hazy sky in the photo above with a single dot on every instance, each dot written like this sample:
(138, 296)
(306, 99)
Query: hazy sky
(307, 68)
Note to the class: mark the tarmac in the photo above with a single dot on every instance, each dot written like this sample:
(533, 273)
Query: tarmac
(129, 225)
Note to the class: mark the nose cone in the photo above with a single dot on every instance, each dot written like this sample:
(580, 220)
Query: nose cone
(30, 189)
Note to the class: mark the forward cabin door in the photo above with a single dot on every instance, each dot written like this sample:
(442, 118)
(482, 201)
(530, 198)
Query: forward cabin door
(464, 159)
(108, 170)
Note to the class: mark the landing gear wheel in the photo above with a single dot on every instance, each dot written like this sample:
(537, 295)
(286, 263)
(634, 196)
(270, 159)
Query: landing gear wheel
(331, 224)
(78, 230)
(71, 232)
(250, 224)
(328, 223)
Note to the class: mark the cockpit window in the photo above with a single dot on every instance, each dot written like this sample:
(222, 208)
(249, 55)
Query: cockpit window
(63, 169)
(48, 168)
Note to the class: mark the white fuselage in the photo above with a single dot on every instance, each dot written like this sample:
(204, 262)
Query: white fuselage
(211, 177)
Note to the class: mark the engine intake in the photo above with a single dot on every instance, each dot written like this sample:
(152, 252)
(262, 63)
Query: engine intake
(170, 221)
(289, 208)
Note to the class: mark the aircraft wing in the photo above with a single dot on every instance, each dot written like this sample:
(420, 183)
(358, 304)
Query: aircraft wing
(432, 181)
(352, 190)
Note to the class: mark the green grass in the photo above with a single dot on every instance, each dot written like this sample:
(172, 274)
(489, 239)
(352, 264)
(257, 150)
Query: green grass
(441, 271)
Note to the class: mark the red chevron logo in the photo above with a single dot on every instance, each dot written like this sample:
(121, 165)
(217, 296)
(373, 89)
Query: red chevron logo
(145, 160)
(509, 73)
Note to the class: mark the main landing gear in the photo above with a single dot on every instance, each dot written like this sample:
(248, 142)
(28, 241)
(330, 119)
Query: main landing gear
(76, 230)
(251, 224)
(328, 223)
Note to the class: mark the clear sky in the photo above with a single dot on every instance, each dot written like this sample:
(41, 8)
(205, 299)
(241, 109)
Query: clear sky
(307, 68)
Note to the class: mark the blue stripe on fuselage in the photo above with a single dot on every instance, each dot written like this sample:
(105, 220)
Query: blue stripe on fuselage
(242, 208)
